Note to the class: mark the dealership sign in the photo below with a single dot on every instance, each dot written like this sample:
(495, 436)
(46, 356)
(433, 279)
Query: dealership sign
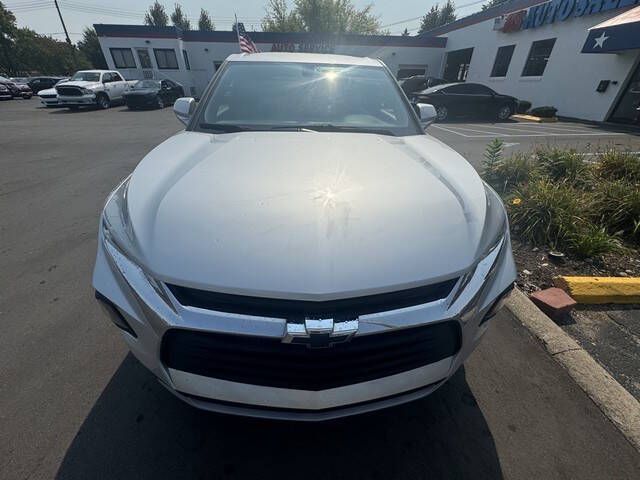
(559, 11)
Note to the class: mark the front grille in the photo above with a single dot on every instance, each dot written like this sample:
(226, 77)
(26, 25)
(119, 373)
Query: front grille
(48, 96)
(269, 362)
(69, 91)
(299, 309)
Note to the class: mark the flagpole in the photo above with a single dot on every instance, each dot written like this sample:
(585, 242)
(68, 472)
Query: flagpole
(237, 32)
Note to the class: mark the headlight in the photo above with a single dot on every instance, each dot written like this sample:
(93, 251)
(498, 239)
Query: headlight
(493, 234)
(495, 223)
(122, 247)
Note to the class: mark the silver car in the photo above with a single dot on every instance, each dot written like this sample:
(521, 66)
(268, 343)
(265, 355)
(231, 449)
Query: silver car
(303, 250)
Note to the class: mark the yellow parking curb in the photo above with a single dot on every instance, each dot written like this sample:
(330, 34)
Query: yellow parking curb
(601, 289)
(533, 118)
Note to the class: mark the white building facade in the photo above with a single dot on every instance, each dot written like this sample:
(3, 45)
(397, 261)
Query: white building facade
(192, 57)
(579, 56)
(533, 50)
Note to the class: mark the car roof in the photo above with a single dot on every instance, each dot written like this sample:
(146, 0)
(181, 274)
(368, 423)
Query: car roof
(329, 59)
(95, 71)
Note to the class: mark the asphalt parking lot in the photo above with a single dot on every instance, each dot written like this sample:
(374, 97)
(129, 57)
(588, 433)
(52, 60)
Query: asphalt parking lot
(75, 405)
(470, 139)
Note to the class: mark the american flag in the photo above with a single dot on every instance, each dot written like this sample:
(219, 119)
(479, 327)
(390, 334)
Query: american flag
(246, 44)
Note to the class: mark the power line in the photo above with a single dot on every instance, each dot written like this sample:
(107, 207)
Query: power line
(471, 4)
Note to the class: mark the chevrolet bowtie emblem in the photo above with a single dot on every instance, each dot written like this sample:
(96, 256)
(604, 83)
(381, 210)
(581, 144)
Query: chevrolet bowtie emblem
(320, 332)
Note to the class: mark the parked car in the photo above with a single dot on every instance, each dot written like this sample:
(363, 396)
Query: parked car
(43, 83)
(18, 90)
(153, 93)
(49, 97)
(5, 93)
(24, 80)
(302, 250)
(418, 83)
(100, 88)
(467, 100)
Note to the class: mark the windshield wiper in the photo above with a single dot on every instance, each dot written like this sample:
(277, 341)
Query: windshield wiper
(330, 127)
(222, 127)
(291, 128)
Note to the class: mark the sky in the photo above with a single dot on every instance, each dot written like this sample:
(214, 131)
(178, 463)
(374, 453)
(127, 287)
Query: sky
(41, 16)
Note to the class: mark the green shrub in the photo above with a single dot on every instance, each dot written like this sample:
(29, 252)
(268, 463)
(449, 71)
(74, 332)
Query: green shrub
(616, 204)
(545, 112)
(560, 164)
(544, 211)
(591, 240)
(619, 165)
(515, 170)
(503, 174)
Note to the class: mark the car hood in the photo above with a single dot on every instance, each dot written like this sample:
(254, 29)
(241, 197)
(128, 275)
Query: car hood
(80, 83)
(305, 215)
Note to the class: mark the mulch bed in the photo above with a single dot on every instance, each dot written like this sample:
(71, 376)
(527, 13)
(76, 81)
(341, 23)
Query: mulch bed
(536, 268)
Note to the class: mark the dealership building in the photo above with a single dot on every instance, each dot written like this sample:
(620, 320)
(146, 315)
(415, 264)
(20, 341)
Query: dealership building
(580, 56)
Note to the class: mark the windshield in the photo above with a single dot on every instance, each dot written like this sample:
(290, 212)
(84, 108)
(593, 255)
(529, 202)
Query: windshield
(86, 76)
(270, 95)
(143, 84)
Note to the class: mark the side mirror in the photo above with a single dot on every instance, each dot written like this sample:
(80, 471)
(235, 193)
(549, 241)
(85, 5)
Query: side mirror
(184, 108)
(427, 114)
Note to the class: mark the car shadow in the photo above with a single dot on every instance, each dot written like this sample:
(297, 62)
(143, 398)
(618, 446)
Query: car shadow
(137, 429)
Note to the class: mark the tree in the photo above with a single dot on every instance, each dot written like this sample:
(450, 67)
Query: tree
(321, 16)
(448, 13)
(156, 16)
(8, 30)
(179, 19)
(437, 17)
(494, 3)
(205, 22)
(89, 46)
(405, 33)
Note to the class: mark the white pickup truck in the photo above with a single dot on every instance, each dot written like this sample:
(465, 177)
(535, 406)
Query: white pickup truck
(101, 88)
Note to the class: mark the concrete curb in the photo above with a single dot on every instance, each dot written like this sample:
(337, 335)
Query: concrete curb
(600, 289)
(533, 118)
(614, 401)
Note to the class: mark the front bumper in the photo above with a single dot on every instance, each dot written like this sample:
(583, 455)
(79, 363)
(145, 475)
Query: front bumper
(49, 101)
(144, 316)
(76, 100)
(141, 100)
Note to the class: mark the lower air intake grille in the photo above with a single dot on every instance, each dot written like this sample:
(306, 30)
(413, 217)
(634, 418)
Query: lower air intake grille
(269, 362)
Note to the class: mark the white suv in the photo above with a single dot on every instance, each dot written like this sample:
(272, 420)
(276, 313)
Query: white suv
(92, 87)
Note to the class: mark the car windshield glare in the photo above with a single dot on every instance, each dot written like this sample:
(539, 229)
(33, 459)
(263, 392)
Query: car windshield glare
(144, 84)
(290, 95)
(86, 76)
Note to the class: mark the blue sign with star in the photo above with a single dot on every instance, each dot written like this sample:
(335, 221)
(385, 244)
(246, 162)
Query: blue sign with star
(613, 39)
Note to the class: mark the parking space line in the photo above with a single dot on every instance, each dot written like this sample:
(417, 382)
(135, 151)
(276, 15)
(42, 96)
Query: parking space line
(478, 131)
(453, 131)
(540, 129)
(492, 134)
(513, 129)
(561, 128)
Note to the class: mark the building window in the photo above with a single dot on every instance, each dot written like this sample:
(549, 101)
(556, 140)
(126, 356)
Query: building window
(166, 58)
(122, 58)
(144, 58)
(538, 58)
(186, 60)
(457, 65)
(502, 61)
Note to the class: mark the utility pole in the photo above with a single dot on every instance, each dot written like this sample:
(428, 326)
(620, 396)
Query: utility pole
(64, 27)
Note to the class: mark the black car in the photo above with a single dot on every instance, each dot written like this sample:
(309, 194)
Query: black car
(418, 83)
(5, 93)
(153, 93)
(467, 100)
(42, 83)
(20, 90)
